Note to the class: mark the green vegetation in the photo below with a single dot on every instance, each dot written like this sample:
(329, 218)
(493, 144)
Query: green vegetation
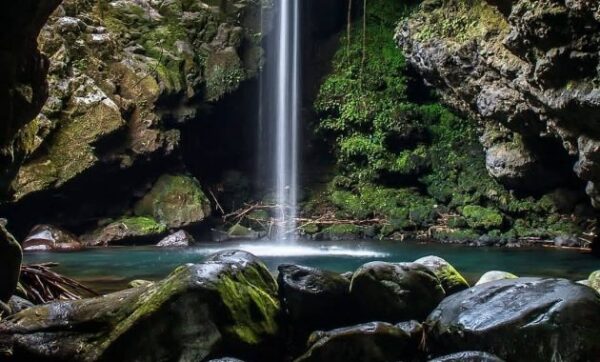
(406, 159)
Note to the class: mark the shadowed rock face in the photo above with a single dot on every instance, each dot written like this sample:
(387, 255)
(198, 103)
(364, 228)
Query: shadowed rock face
(526, 319)
(23, 86)
(529, 70)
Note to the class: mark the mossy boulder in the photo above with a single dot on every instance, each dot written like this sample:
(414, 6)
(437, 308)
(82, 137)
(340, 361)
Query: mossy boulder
(525, 319)
(494, 275)
(238, 231)
(178, 239)
(594, 280)
(11, 256)
(370, 342)
(226, 305)
(176, 201)
(395, 292)
(340, 232)
(482, 218)
(128, 230)
(451, 279)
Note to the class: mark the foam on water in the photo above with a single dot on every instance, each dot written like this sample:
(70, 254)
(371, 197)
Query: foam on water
(295, 250)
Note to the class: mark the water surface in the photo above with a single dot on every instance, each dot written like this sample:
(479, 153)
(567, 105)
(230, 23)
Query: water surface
(110, 269)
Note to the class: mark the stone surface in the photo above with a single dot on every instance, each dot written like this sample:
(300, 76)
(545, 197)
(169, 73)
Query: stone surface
(48, 238)
(176, 201)
(179, 239)
(371, 342)
(388, 292)
(594, 280)
(470, 356)
(126, 231)
(313, 298)
(528, 69)
(122, 75)
(495, 275)
(227, 304)
(525, 319)
(451, 279)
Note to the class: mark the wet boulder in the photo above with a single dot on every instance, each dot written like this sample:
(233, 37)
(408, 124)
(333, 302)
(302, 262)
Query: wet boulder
(178, 239)
(50, 238)
(469, 356)
(593, 280)
(226, 305)
(10, 263)
(313, 296)
(395, 292)
(494, 275)
(370, 342)
(525, 319)
(126, 231)
(176, 201)
(451, 279)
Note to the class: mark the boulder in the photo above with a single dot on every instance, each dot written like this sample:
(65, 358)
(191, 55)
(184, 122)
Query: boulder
(313, 298)
(176, 201)
(126, 231)
(227, 304)
(395, 292)
(179, 239)
(451, 279)
(48, 237)
(237, 232)
(525, 319)
(10, 263)
(494, 275)
(371, 342)
(470, 356)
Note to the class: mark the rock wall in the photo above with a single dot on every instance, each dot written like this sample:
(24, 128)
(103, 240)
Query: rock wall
(123, 74)
(529, 70)
(23, 87)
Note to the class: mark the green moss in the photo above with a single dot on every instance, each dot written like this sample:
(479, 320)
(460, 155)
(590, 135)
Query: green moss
(594, 280)
(343, 230)
(141, 225)
(482, 218)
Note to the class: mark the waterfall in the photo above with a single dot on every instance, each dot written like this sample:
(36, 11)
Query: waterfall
(281, 86)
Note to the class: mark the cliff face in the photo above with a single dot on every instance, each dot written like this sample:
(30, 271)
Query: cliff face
(529, 70)
(23, 87)
(123, 75)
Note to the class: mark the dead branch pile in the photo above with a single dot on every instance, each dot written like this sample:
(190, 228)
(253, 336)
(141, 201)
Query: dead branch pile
(42, 285)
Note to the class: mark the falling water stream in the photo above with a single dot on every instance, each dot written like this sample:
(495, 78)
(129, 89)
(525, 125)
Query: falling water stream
(287, 113)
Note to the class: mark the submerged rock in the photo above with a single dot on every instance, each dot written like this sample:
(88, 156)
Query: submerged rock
(395, 292)
(451, 279)
(470, 356)
(176, 201)
(127, 230)
(48, 237)
(179, 239)
(10, 263)
(371, 342)
(494, 275)
(525, 319)
(227, 304)
(313, 298)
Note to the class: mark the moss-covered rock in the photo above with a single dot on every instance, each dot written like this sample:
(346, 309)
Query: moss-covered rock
(176, 201)
(594, 280)
(228, 304)
(126, 231)
(451, 279)
(340, 232)
(494, 275)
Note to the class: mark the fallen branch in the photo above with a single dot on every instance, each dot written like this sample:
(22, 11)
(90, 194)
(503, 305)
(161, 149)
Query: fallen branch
(42, 285)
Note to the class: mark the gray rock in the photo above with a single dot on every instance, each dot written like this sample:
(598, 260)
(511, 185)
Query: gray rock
(371, 342)
(50, 238)
(525, 319)
(470, 356)
(179, 239)
(495, 275)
